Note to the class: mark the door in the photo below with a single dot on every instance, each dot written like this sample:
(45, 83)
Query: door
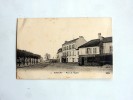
(73, 59)
(82, 60)
(66, 59)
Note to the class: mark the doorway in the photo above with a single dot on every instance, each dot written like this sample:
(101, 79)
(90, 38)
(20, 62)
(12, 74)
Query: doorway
(82, 60)
(73, 60)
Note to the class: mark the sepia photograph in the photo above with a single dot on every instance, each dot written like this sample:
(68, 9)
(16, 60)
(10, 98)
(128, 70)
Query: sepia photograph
(64, 48)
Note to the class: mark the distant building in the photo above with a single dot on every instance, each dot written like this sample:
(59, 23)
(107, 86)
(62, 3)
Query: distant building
(96, 51)
(59, 55)
(69, 49)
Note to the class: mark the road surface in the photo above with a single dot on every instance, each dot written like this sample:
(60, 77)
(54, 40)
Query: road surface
(63, 71)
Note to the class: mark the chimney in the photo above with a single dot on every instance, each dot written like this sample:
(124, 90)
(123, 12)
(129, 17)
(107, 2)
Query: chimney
(65, 41)
(100, 37)
(81, 37)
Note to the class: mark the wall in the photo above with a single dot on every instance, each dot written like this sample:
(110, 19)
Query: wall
(82, 51)
(75, 56)
(106, 47)
(59, 55)
(80, 42)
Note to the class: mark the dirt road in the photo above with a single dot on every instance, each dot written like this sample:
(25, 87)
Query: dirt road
(63, 71)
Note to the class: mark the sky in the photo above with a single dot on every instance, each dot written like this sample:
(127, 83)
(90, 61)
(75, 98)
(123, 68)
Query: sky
(46, 35)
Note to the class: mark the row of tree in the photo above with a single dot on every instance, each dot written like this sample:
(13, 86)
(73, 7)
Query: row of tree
(26, 57)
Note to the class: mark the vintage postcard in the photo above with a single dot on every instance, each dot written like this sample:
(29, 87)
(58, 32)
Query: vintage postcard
(64, 48)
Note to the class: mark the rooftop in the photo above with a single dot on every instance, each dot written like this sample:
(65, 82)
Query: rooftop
(95, 42)
(59, 50)
(71, 41)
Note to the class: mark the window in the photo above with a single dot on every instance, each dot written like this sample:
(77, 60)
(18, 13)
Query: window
(73, 53)
(69, 46)
(88, 51)
(94, 51)
(110, 49)
(67, 54)
(73, 46)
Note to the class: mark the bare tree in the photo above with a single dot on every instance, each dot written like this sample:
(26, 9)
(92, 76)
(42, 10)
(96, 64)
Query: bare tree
(47, 56)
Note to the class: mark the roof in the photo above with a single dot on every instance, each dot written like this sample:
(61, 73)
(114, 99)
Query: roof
(71, 41)
(96, 42)
(59, 50)
(107, 39)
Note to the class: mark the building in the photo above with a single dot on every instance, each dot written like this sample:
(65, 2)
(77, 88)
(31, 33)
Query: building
(59, 55)
(69, 49)
(96, 51)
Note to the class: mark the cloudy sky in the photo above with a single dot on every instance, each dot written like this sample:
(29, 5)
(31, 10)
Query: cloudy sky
(46, 35)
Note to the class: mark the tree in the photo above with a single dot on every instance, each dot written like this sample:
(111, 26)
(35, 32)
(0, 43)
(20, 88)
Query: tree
(24, 56)
(47, 56)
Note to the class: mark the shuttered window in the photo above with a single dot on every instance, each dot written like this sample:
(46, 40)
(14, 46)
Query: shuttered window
(88, 51)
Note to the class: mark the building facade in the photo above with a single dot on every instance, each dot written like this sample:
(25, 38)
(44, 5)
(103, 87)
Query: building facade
(70, 49)
(96, 52)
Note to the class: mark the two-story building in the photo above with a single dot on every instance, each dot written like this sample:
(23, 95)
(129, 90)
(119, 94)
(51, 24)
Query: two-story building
(69, 49)
(96, 51)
